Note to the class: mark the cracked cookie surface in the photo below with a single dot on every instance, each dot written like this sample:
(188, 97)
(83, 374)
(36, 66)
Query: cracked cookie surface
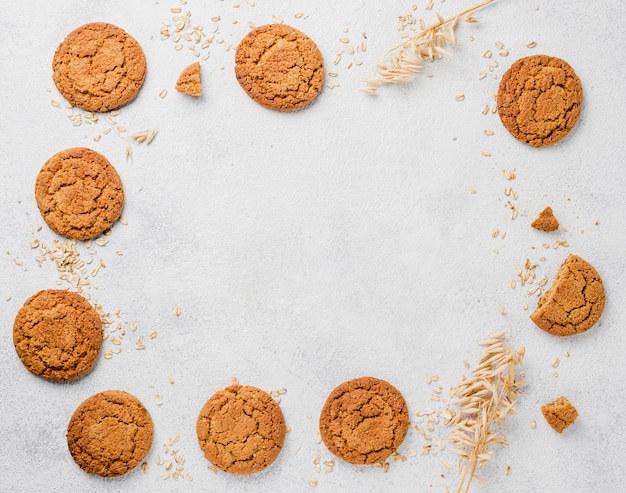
(110, 433)
(559, 414)
(57, 335)
(241, 429)
(99, 67)
(574, 302)
(279, 67)
(79, 193)
(364, 420)
(539, 100)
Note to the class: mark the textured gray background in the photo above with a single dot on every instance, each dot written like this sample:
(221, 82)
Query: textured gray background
(306, 249)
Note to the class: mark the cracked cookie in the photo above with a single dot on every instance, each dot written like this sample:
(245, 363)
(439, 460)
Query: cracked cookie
(539, 100)
(574, 302)
(279, 67)
(110, 433)
(57, 335)
(546, 221)
(99, 67)
(241, 429)
(364, 420)
(79, 193)
(189, 81)
(559, 414)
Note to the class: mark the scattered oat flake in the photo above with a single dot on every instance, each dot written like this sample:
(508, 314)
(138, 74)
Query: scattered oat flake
(488, 132)
(531, 45)
(533, 425)
(177, 311)
(312, 482)
(486, 153)
(158, 399)
(460, 97)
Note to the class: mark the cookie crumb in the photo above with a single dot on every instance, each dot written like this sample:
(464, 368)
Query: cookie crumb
(559, 414)
(546, 221)
(189, 81)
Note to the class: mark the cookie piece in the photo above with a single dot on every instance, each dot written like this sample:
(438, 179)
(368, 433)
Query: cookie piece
(99, 67)
(546, 221)
(574, 302)
(57, 335)
(79, 193)
(241, 429)
(189, 81)
(364, 420)
(539, 100)
(110, 433)
(279, 67)
(559, 414)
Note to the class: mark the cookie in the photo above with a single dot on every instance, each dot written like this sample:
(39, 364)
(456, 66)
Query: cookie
(539, 100)
(364, 420)
(241, 429)
(57, 335)
(110, 433)
(559, 414)
(189, 81)
(79, 193)
(99, 67)
(279, 67)
(574, 302)
(546, 221)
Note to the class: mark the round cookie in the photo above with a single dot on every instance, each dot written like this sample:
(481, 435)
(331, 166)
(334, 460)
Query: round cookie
(241, 429)
(279, 67)
(364, 420)
(57, 335)
(99, 67)
(539, 100)
(79, 193)
(574, 302)
(110, 433)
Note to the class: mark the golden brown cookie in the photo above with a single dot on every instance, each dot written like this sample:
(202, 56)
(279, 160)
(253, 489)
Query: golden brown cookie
(241, 429)
(574, 302)
(559, 414)
(110, 433)
(546, 221)
(79, 193)
(189, 81)
(539, 100)
(279, 67)
(99, 67)
(57, 335)
(364, 420)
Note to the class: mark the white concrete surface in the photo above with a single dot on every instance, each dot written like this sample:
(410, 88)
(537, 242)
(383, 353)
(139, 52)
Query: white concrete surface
(306, 249)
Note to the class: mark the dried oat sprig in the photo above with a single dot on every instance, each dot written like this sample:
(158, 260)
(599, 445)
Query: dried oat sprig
(484, 401)
(408, 59)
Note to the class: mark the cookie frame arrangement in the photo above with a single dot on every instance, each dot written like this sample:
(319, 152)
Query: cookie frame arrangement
(241, 429)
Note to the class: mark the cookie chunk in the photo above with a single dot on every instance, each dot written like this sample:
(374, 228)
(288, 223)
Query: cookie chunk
(99, 67)
(241, 429)
(574, 302)
(279, 67)
(539, 100)
(57, 335)
(189, 81)
(364, 420)
(79, 193)
(110, 433)
(546, 221)
(559, 414)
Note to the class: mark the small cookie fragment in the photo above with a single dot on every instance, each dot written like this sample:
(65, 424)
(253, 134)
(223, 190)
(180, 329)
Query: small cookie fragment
(99, 67)
(559, 414)
(189, 81)
(110, 433)
(279, 67)
(364, 420)
(79, 193)
(574, 302)
(57, 335)
(241, 429)
(539, 100)
(546, 221)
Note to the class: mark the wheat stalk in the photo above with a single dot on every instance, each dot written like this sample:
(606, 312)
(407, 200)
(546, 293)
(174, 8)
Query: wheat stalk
(408, 58)
(485, 400)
